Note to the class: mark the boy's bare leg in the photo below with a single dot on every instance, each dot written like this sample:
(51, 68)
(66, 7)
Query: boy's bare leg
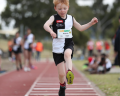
(61, 72)
(68, 60)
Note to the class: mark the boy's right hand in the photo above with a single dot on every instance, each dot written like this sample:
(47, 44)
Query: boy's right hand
(53, 34)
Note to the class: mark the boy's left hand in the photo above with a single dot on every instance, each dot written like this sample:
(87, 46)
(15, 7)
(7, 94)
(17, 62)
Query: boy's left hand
(94, 21)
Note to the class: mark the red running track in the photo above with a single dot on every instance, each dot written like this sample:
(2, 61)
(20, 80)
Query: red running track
(43, 82)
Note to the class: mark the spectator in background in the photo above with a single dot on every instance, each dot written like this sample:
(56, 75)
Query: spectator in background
(90, 46)
(107, 47)
(91, 61)
(0, 58)
(28, 41)
(17, 44)
(92, 58)
(108, 65)
(99, 46)
(101, 66)
(93, 65)
(117, 45)
(10, 43)
(39, 49)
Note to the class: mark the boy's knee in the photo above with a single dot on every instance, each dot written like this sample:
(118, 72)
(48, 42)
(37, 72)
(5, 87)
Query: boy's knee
(62, 75)
(67, 55)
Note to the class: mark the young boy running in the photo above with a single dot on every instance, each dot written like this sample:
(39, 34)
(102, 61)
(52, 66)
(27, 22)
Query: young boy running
(62, 24)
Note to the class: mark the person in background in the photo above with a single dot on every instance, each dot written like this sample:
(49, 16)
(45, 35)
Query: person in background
(28, 41)
(93, 65)
(101, 66)
(108, 65)
(90, 46)
(117, 45)
(92, 58)
(17, 50)
(39, 49)
(0, 58)
(107, 47)
(99, 46)
(91, 61)
(10, 43)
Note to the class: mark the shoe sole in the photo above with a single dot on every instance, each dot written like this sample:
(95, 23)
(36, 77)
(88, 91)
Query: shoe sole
(70, 77)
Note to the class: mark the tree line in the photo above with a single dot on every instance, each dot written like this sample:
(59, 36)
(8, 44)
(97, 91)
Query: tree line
(34, 13)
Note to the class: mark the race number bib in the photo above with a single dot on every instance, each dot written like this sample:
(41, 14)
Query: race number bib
(64, 33)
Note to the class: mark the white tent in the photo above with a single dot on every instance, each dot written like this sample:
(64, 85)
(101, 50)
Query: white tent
(9, 32)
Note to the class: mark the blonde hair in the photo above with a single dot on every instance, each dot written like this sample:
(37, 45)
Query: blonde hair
(66, 2)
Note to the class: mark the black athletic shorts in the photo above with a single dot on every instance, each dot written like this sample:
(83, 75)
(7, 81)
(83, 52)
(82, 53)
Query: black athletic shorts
(29, 49)
(19, 50)
(59, 57)
(108, 69)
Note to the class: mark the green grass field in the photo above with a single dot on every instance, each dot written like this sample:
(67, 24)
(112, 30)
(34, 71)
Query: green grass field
(4, 44)
(108, 83)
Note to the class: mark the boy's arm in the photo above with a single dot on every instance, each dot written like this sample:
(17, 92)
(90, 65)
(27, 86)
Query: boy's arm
(85, 26)
(47, 28)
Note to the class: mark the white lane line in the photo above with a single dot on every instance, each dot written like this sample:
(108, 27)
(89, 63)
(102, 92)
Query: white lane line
(43, 72)
(59, 84)
(58, 81)
(58, 88)
(65, 94)
(52, 91)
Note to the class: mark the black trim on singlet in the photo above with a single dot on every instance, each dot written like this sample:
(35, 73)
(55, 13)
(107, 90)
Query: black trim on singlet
(58, 25)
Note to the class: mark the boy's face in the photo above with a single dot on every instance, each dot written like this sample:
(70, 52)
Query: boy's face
(62, 9)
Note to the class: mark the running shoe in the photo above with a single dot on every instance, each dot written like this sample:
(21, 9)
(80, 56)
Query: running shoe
(62, 91)
(33, 67)
(69, 77)
(25, 69)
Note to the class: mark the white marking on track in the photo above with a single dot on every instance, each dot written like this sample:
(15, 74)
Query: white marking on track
(58, 88)
(27, 94)
(59, 84)
(39, 94)
(51, 84)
